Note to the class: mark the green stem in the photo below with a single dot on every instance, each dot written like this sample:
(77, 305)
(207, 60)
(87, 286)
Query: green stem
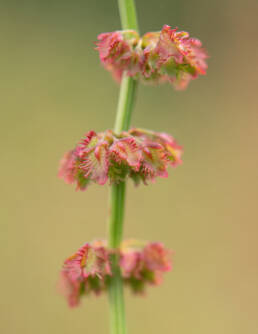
(117, 195)
(128, 14)
(117, 202)
(125, 104)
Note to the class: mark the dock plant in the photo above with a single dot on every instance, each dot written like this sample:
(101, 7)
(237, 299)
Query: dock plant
(116, 155)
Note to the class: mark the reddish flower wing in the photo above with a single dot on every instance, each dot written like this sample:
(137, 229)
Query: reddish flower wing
(106, 42)
(173, 150)
(69, 289)
(84, 272)
(156, 257)
(144, 265)
(99, 263)
(154, 161)
(186, 53)
(116, 51)
(93, 153)
(131, 264)
(126, 150)
(158, 151)
(72, 275)
(167, 46)
(95, 163)
(195, 54)
(74, 265)
(67, 168)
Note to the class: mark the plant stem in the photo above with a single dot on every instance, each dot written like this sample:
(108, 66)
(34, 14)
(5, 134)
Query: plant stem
(117, 195)
(117, 201)
(128, 14)
(125, 104)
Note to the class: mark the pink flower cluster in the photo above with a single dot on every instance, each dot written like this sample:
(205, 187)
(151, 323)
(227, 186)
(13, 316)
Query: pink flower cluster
(85, 272)
(89, 269)
(141, 266)
(117, 51)
(165, 56)
(139, 154)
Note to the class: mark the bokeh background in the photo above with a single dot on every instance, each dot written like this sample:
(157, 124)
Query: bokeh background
(53, 90)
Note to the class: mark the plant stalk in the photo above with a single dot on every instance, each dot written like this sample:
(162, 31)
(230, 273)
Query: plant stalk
(117, 195)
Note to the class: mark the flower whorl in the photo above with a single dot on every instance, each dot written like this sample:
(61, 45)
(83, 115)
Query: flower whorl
(165, 56)
(139, 154)
(89, 269)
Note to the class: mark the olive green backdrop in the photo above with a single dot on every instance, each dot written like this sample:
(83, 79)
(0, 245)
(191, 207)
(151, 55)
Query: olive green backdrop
(53, 90)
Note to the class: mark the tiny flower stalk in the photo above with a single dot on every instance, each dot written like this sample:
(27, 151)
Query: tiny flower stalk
(114, 156)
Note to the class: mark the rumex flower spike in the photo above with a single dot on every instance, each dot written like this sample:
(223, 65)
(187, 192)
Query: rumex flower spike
(165, 56)
(139, 154)
(114, 156)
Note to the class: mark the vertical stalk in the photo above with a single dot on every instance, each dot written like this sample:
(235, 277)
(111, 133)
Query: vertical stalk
(117, 195)
(128, 14)
(125, 103)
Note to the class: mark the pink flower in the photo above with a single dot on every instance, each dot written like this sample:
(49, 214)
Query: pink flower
(180, 57)
(84, 272)
(165, 56)
(139, 154)
(159, 150)
(87, 162)
(89, 269)
(156, 257)
(131, 263)
(144, 265)
(117, 52)
(126, 150)
(67, 168)
(70, 289)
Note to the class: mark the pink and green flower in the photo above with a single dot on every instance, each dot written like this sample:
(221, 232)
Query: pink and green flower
(89, 269)
(166, 56)
(139, 154)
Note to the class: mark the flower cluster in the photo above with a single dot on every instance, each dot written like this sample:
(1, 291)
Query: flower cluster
(144, 265)
(117, 51)
(165, 56)
(89, 269)
(139, 154)
(85, 272)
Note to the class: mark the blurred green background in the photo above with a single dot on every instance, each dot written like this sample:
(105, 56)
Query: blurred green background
(54, 90)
